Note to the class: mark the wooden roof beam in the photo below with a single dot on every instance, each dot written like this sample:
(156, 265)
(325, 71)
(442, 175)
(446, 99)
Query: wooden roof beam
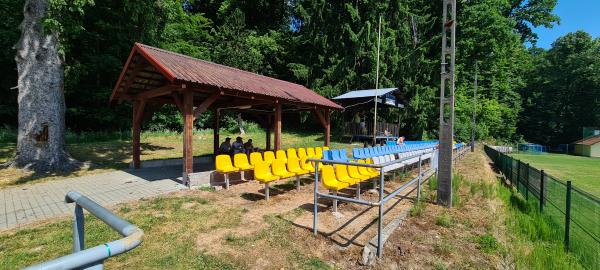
(206, 103)
(161, 91)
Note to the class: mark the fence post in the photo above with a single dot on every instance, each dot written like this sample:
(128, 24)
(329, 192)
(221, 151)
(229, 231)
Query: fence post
(518, 173)
(568, 216)
(542, 176)
(527, 181)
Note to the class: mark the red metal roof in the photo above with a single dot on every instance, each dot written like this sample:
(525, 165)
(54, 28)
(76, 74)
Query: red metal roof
(589, 141)
(183, 68)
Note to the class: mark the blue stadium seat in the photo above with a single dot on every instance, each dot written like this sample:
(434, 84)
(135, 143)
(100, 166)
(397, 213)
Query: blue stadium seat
(327, 155)
(371, 152)
(343, 155)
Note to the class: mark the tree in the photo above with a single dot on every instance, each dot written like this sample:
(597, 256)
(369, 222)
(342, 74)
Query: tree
(530, 14)
(562, 94)
(40, 65)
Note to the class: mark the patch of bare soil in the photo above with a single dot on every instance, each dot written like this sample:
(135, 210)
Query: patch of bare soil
(278, 234)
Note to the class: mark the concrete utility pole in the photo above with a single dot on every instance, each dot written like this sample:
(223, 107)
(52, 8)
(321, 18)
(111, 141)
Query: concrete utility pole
(376, 85)
(446, 132)
(474, 110)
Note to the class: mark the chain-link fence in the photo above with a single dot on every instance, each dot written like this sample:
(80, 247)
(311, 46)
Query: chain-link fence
(574, 213)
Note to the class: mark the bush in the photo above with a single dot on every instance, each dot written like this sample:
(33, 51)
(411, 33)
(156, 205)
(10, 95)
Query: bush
(444, 220)
(487, 243)
(418, 209)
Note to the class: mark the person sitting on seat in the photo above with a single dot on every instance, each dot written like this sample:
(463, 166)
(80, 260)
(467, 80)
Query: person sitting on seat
(225, 147)
(400, 140)
(238, 146)
(248, 147)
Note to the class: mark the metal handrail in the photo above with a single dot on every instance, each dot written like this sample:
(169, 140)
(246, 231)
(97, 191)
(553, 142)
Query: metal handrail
(93, 258)
(382, 198)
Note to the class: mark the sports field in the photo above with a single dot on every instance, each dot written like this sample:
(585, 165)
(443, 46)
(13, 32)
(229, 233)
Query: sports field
(583, 171)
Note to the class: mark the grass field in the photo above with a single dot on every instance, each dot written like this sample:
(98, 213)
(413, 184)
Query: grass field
(583, 171)
(109, 152)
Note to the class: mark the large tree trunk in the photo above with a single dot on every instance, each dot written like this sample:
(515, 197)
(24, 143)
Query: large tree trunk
(40, 143)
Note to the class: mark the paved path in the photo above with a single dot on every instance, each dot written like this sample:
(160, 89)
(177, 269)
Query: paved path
(25, 204)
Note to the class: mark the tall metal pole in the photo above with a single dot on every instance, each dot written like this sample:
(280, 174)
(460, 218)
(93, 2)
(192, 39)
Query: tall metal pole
(474, 110)
(376, 85)
(446, 132)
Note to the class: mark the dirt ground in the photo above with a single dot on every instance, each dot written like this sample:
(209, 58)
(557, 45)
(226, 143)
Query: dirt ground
(420, 243)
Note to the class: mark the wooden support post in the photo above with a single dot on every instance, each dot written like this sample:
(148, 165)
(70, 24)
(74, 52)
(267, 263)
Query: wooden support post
(277, 126)
(325, 120)
(216, 127)
(136, 130)
(188, 125)
(268, 128)
(327, 127)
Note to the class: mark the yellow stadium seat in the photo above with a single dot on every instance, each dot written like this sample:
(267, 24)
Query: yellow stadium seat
(318, 152)
(371, 170)
(341, 173)
(302, 153)
(354, 173)
(280, 154)
(262, 173)
(280, 170)
(366, 171)
(325, 147)
(293, 165)
(291, 153)
(310, 152)
(269, 156)
(240, 161)
(256, 158)
(330, 181)
(307, 165)
(223, 165)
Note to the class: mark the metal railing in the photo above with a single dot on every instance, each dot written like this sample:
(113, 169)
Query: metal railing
(93, 258)
(457, 154)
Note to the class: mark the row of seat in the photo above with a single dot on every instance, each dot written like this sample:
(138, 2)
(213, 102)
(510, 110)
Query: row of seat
(340, 176)
(361, 153)
(270, 166)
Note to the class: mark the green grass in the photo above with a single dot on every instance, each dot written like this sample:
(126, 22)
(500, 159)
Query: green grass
(583, 171)
(172, 227)
(487, 243)
(166, 224)
(444, 220)
(549, 226)
(536, 241)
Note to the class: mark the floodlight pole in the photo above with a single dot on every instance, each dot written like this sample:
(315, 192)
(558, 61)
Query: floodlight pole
(376, 85)
(446, 132)
(474, 110)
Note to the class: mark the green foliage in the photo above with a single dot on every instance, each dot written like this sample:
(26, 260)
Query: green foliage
(561, 96)
(329, 46)
(536, 240)
(418, 209)
(487, 243)
(444, 220)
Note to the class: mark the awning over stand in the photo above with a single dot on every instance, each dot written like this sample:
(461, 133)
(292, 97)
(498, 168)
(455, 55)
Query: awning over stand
(385, 96)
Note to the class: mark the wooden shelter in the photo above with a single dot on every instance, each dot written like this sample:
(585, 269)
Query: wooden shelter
(154, 77)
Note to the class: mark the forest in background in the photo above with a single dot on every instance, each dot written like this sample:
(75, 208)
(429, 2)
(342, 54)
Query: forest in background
(543, 96)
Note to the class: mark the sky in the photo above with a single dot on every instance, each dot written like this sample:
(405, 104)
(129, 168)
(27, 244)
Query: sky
(574, 15)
